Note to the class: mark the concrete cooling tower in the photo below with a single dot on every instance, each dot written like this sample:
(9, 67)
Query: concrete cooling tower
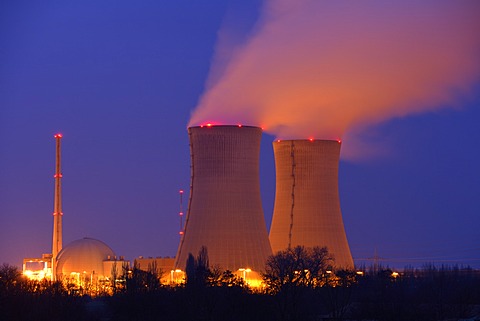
(307, 205)
(225, 210)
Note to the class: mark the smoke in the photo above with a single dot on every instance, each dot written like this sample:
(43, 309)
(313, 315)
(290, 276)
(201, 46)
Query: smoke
(327, 69)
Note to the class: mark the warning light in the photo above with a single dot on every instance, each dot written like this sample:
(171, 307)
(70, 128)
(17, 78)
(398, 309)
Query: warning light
(278, 141)
(209, 125)
(181, 232)
(181, 213)
(240, 126)
(181, 191)
(310, 139)
(58, 135)
(339, 141)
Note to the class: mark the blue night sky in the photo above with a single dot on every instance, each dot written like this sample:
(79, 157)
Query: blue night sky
(120, 79)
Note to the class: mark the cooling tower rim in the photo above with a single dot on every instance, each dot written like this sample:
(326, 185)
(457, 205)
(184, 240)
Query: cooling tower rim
(209, 126)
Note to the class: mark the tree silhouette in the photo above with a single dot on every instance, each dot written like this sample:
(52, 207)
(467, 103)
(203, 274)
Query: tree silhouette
(197, 269)
(290, 275)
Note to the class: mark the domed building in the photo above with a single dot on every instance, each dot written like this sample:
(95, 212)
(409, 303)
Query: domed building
(86, 260)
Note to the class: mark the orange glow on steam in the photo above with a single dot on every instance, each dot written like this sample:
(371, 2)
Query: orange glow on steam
(348, 65)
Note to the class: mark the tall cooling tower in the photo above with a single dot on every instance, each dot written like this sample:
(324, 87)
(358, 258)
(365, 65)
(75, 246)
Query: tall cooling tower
(307, 206)
(225, 210)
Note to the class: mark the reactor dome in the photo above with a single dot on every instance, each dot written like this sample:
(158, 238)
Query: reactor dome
(83, 258)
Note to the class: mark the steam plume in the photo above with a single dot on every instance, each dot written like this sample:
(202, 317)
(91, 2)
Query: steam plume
(322, 69)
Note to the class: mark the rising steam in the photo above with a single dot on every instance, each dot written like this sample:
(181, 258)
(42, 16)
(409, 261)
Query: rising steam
(323, 69)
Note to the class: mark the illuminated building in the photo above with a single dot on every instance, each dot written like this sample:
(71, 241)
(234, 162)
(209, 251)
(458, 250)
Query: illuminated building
(38, 268)
(161, 266)
(225, 210)
(87, 261)
(307, 205)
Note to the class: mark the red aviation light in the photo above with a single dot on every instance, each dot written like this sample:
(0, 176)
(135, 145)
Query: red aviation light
(239, 125)
(58, 135)
(310, 139)
(278, 140)
(181, 191)
(181, 232)
(181, 213)
(209, 125)
(339, 141)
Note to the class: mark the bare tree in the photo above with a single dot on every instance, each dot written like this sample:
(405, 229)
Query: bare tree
(299, 266)
(291, 274)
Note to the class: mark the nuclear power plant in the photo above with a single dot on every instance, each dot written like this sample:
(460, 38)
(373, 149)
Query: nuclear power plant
(307, 205)
(225, 209)
(81, 262)
(225, 212)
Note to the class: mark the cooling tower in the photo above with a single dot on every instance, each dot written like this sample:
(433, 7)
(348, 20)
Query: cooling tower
(307, 206)
(225, 210)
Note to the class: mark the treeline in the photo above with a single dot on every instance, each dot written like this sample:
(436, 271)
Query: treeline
(300, 285)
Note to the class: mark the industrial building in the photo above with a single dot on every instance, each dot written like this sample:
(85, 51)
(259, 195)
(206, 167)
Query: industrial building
(307, 204)
(82, 262)
(162, 267)
(86, 261)
(225, 211)
(38, 268)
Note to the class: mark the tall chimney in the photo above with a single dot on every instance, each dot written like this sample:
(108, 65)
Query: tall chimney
(57, 207)
(307, 205)
(225, 209)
